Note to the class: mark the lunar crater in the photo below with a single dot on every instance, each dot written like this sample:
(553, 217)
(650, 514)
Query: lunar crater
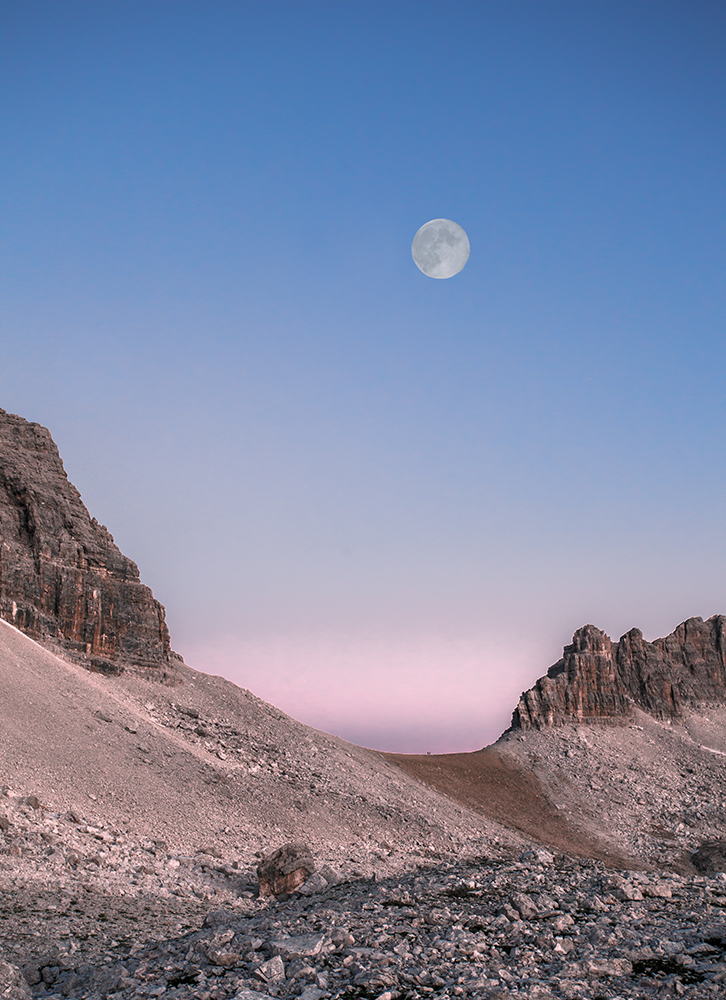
(440, 248)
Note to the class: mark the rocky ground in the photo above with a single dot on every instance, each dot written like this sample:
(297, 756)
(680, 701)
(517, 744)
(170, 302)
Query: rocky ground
(88, 911)
(205, 761)
(133, 816)
(656, 787)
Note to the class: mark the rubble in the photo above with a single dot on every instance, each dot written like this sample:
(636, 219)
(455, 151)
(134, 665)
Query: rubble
(131, 925)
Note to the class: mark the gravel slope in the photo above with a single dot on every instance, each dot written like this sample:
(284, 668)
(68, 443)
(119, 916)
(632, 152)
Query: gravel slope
(207, 762)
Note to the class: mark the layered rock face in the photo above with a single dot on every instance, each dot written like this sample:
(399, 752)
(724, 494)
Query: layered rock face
(599, 680)
(63, 580)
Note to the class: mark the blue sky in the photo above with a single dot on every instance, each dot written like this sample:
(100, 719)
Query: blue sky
(381, 501)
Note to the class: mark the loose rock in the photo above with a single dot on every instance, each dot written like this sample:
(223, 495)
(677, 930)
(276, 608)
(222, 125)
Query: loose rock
(285, 870)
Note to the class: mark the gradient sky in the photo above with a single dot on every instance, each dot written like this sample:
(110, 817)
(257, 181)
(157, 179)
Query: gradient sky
(380, 501)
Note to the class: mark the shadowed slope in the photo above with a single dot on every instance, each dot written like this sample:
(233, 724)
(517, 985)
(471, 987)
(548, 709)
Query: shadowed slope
(496, 787)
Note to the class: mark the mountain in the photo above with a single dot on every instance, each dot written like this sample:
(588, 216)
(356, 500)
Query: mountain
(598, 680)
(63, 580)
(175, 757)
(182, 763)
(131, 810)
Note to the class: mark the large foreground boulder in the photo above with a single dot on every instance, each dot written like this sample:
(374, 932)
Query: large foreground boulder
(285, 870)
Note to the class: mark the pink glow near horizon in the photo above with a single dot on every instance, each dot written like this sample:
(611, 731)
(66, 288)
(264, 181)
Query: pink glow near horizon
(402, 693)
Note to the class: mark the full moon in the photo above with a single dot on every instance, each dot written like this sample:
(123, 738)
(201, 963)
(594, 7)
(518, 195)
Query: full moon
(440, 248)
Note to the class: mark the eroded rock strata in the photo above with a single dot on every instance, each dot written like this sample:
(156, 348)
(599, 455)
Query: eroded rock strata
(600, 680)
(63, 580)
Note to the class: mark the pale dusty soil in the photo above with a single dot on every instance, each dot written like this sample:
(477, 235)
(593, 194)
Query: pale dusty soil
(241, 775)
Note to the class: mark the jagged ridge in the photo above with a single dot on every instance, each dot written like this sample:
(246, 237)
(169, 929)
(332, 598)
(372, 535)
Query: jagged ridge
(598, 680)
(63, 580)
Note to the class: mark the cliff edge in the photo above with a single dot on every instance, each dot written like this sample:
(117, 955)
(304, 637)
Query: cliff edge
(598, 680)
(63, 580)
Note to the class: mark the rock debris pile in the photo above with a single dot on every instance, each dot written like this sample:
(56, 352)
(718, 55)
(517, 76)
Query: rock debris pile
(657, 788)
(123, 920)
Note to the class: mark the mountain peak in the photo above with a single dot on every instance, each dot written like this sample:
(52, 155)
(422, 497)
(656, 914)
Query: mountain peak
(63, 579)
(598, 680)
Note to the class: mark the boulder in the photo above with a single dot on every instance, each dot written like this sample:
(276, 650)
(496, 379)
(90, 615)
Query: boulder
(285, 870)
(302, 946)
(316, 883)
(271, 971)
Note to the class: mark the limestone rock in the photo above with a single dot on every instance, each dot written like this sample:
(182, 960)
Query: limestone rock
(301, 946)
(524, 905)
(598, 680)
(331, 876)
(63, 580)
(285, 869)
(316, 883)
(271, 971)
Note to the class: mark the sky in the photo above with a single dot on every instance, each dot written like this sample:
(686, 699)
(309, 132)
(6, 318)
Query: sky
(380, 501)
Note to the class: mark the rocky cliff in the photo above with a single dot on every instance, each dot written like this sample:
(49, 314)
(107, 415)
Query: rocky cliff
(598, 680)
(63, 580)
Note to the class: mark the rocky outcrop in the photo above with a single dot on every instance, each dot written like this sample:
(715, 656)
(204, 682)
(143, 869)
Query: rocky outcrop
(598, 680)
(63, 580)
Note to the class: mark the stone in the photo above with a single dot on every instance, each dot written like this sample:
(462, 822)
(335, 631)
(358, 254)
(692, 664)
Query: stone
(609, 967)
(216, 917)
(63, 580)
(271, 971)
(210, 850)
(13, 985)
(313, 993)
(32, 975)
(524, 905)
(316, 883)
(225, 959)
(341, 937)
(285, 870)
(627, 892)
(541, 856)
(600, 680)
(302, 946)
(658, 891)
(331, 876)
